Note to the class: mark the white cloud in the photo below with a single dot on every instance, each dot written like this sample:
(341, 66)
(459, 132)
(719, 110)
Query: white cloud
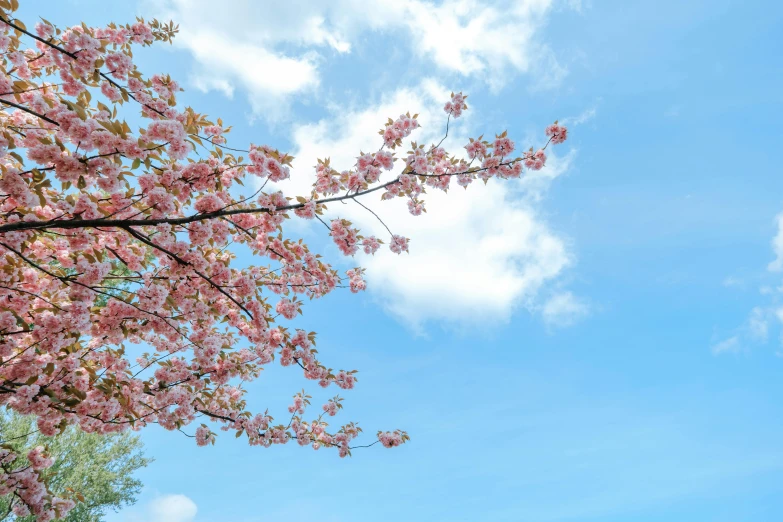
(758, 325)
(564, 309)
(730, 345)
(471, 37)
(578, 5)
(767, 316)
(548, 72)
(172, 508)
(584, 117)
(476, 254)
(731, 281)
(755, 329)
(235, 47)
(267, 77)
(272, 50)
(205, 83)
(777, 246)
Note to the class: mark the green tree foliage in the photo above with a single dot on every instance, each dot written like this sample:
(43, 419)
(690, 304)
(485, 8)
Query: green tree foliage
(97, 468)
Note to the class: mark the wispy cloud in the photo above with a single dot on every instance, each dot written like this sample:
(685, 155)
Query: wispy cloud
(766, 316)
(777, 246)
(587, 115)
(564, 309)
(730, 345)
(732, 281)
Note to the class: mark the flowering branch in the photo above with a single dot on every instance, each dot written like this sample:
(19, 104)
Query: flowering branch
(111, 235)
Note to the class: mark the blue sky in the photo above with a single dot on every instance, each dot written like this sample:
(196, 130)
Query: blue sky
(615, 356)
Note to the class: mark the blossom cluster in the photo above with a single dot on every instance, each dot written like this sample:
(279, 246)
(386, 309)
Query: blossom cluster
(396, 130)
(25, 487)
(456, 105)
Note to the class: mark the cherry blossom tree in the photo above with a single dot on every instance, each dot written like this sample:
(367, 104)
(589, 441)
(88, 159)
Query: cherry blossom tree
(113, 237)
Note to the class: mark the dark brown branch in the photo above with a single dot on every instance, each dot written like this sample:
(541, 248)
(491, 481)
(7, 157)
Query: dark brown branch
(124, 223)
(36, 37)
(28, 111)
(178, 259)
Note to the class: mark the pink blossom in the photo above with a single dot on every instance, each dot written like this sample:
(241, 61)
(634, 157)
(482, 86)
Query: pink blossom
(535, 160)
(118, 64)
(503, 146)
(370, 244)
(204, 436)
(287, 308)
(476, 149)
(345, 237)
(398, 244)
(331, 407)
(209, 203)
(43, 30)
(111, 92)
(558, 133)
(307, 211)
(356, 280)
(38, 459)
(457, 104)
(415, 207)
